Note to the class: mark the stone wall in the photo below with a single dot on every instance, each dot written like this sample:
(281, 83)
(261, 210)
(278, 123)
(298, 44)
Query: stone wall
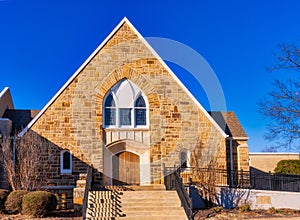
(240, 155)
(243, 156)
(64, 197)
(49, 165)
(74, 120)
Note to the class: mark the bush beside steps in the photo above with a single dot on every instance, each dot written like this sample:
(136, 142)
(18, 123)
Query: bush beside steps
(13, 204)
(38, 203)
(35, 203)
(3, 196)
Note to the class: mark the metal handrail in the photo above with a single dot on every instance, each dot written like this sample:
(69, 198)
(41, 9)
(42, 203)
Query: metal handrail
(174, 181)
(88, 185)
(240, 179)
(184, 196)
(221, 177)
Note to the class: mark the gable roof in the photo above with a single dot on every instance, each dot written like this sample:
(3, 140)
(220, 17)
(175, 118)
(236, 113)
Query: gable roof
(19, 118)
(230, 123)
(77, 72)
(6, 101)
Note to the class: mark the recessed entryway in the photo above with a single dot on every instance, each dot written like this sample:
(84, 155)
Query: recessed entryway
(126, 162)
(126, 168)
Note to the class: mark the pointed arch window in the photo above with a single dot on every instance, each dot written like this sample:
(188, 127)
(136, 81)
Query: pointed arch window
(185, 158)
(110, 110)
(125, 106)
(140, 111)
(65, 162)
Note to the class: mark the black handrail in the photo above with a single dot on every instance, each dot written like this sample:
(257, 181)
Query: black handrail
(174, 181)
(217, 177)
(88, 186)
(241, 179)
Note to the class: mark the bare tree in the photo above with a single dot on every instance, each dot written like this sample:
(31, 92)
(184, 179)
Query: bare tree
(7, 160)
(29, 160)
(21, 160)
(205, 178)
(288, 58)
(282, 104)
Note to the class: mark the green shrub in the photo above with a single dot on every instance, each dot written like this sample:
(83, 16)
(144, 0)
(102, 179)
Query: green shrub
(3, 197)
(245, 208)
(39, 203)
(13, 203)
(288, 167)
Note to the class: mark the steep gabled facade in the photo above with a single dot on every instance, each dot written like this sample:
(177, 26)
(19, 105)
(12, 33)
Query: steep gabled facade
(126, 114)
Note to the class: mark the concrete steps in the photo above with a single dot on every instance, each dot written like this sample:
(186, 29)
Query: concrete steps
(153, 187)
(127, 205)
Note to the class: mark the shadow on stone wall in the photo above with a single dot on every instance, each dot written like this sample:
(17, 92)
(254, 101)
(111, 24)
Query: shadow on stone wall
(49, 176)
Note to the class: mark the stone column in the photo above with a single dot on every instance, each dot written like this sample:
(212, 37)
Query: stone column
(243, 157)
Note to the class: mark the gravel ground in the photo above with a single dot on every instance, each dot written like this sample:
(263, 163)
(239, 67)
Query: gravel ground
(236, 214)
(58, 215)
(210, 214)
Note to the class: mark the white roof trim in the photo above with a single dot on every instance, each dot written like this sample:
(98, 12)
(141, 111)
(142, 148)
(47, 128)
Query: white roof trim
(6, 95)
(124, 20)
(3, 91)
(177, 80)
(72, 78)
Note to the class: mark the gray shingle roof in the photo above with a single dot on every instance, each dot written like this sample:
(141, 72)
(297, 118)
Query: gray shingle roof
(19, 118)
(229, 123)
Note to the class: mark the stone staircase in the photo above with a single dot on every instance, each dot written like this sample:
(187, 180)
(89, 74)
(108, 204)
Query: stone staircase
(134, 203)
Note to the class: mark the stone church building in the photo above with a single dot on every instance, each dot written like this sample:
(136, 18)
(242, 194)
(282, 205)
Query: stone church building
(126, 114)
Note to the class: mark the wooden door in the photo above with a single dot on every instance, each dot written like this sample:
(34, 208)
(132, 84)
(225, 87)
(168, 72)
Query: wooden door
(126, 169)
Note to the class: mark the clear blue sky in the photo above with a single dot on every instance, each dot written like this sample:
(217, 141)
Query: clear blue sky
(42, 43)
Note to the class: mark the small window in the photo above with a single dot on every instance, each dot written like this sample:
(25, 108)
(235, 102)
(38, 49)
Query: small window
(183, 159)
(140, 111)
(110, 110)
(65, 162)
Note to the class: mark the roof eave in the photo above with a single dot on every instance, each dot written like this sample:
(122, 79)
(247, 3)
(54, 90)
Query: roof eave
(124, 20)
(32, 122)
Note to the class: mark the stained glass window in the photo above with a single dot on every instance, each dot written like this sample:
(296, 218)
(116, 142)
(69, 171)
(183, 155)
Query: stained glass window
(125, 116)
(140, 111)
(140, 102)
(122, 108)
(110, 102)
(110, 116)
(110, 110)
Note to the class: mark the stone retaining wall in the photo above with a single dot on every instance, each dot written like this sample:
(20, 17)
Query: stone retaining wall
(257, 199)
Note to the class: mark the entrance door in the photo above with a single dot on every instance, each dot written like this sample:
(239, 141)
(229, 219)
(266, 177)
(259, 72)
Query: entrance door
(126, 168)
